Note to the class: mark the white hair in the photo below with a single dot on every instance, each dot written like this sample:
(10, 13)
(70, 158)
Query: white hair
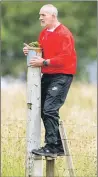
(50, 9)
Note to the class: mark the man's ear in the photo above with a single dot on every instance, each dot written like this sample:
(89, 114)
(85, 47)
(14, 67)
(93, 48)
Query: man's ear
(53, 16)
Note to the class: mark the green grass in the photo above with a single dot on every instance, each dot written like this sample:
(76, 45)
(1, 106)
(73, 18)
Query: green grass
(79, 115)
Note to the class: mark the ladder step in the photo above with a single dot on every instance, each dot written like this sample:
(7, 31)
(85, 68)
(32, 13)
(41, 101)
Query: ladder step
(50, 158)
(66, 149)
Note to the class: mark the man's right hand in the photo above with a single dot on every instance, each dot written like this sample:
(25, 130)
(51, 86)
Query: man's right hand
(25, 49)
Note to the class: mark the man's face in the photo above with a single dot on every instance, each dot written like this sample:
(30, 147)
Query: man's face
(46, 19)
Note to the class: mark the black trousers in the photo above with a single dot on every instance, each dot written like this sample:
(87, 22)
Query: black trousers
(54, 89)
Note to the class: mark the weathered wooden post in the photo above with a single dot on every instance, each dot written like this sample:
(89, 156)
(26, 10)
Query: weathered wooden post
(50, 169)
(33, 133)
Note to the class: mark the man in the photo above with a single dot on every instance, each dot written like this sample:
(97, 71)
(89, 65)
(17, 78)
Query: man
(58, 65)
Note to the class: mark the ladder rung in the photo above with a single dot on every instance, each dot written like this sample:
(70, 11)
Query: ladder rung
(66, 149)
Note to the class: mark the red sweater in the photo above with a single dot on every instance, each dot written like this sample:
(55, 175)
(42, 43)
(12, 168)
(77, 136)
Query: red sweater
(58, 46)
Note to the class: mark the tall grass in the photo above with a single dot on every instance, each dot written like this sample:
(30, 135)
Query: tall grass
(79, 115)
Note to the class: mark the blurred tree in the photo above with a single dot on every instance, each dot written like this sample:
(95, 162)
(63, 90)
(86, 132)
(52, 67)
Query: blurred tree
(20, 24)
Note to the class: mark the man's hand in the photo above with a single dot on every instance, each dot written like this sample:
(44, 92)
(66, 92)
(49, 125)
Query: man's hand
(25, 49)
(36, 61)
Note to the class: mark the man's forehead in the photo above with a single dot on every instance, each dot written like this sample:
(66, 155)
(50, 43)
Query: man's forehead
(43, 12)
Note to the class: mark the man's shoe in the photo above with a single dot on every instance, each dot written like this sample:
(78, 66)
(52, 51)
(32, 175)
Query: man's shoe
(45, 151)
(60, 151)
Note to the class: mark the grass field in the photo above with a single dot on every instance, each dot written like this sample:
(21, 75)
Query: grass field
(79, 115)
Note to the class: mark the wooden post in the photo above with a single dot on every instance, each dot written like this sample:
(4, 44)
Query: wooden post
(66, 149)
(33, 133)
(50, 170)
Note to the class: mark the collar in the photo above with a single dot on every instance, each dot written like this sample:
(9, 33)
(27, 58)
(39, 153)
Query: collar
(51, 30)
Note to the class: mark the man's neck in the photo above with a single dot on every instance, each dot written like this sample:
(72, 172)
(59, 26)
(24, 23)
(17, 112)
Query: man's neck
(53, 26)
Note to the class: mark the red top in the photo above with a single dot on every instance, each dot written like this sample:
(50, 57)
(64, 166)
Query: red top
(58, 46)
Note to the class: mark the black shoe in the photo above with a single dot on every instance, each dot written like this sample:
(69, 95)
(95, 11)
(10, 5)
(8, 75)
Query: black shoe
(60, 151)
(46, 151)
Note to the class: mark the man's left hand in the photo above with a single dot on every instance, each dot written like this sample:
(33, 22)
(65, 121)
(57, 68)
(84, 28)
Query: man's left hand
(36, 61)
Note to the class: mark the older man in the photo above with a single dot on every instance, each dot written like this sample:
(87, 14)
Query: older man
(58, 65)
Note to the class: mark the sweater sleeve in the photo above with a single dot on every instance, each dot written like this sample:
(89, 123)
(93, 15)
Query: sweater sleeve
(39, 40)
(64, 54)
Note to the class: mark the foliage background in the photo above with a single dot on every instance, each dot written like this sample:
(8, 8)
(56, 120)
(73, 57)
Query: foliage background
(20, 24)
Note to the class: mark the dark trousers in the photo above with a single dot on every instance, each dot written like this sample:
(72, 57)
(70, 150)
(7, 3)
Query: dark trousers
(54, 89)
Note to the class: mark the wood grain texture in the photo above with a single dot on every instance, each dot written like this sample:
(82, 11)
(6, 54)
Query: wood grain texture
(34, 166)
